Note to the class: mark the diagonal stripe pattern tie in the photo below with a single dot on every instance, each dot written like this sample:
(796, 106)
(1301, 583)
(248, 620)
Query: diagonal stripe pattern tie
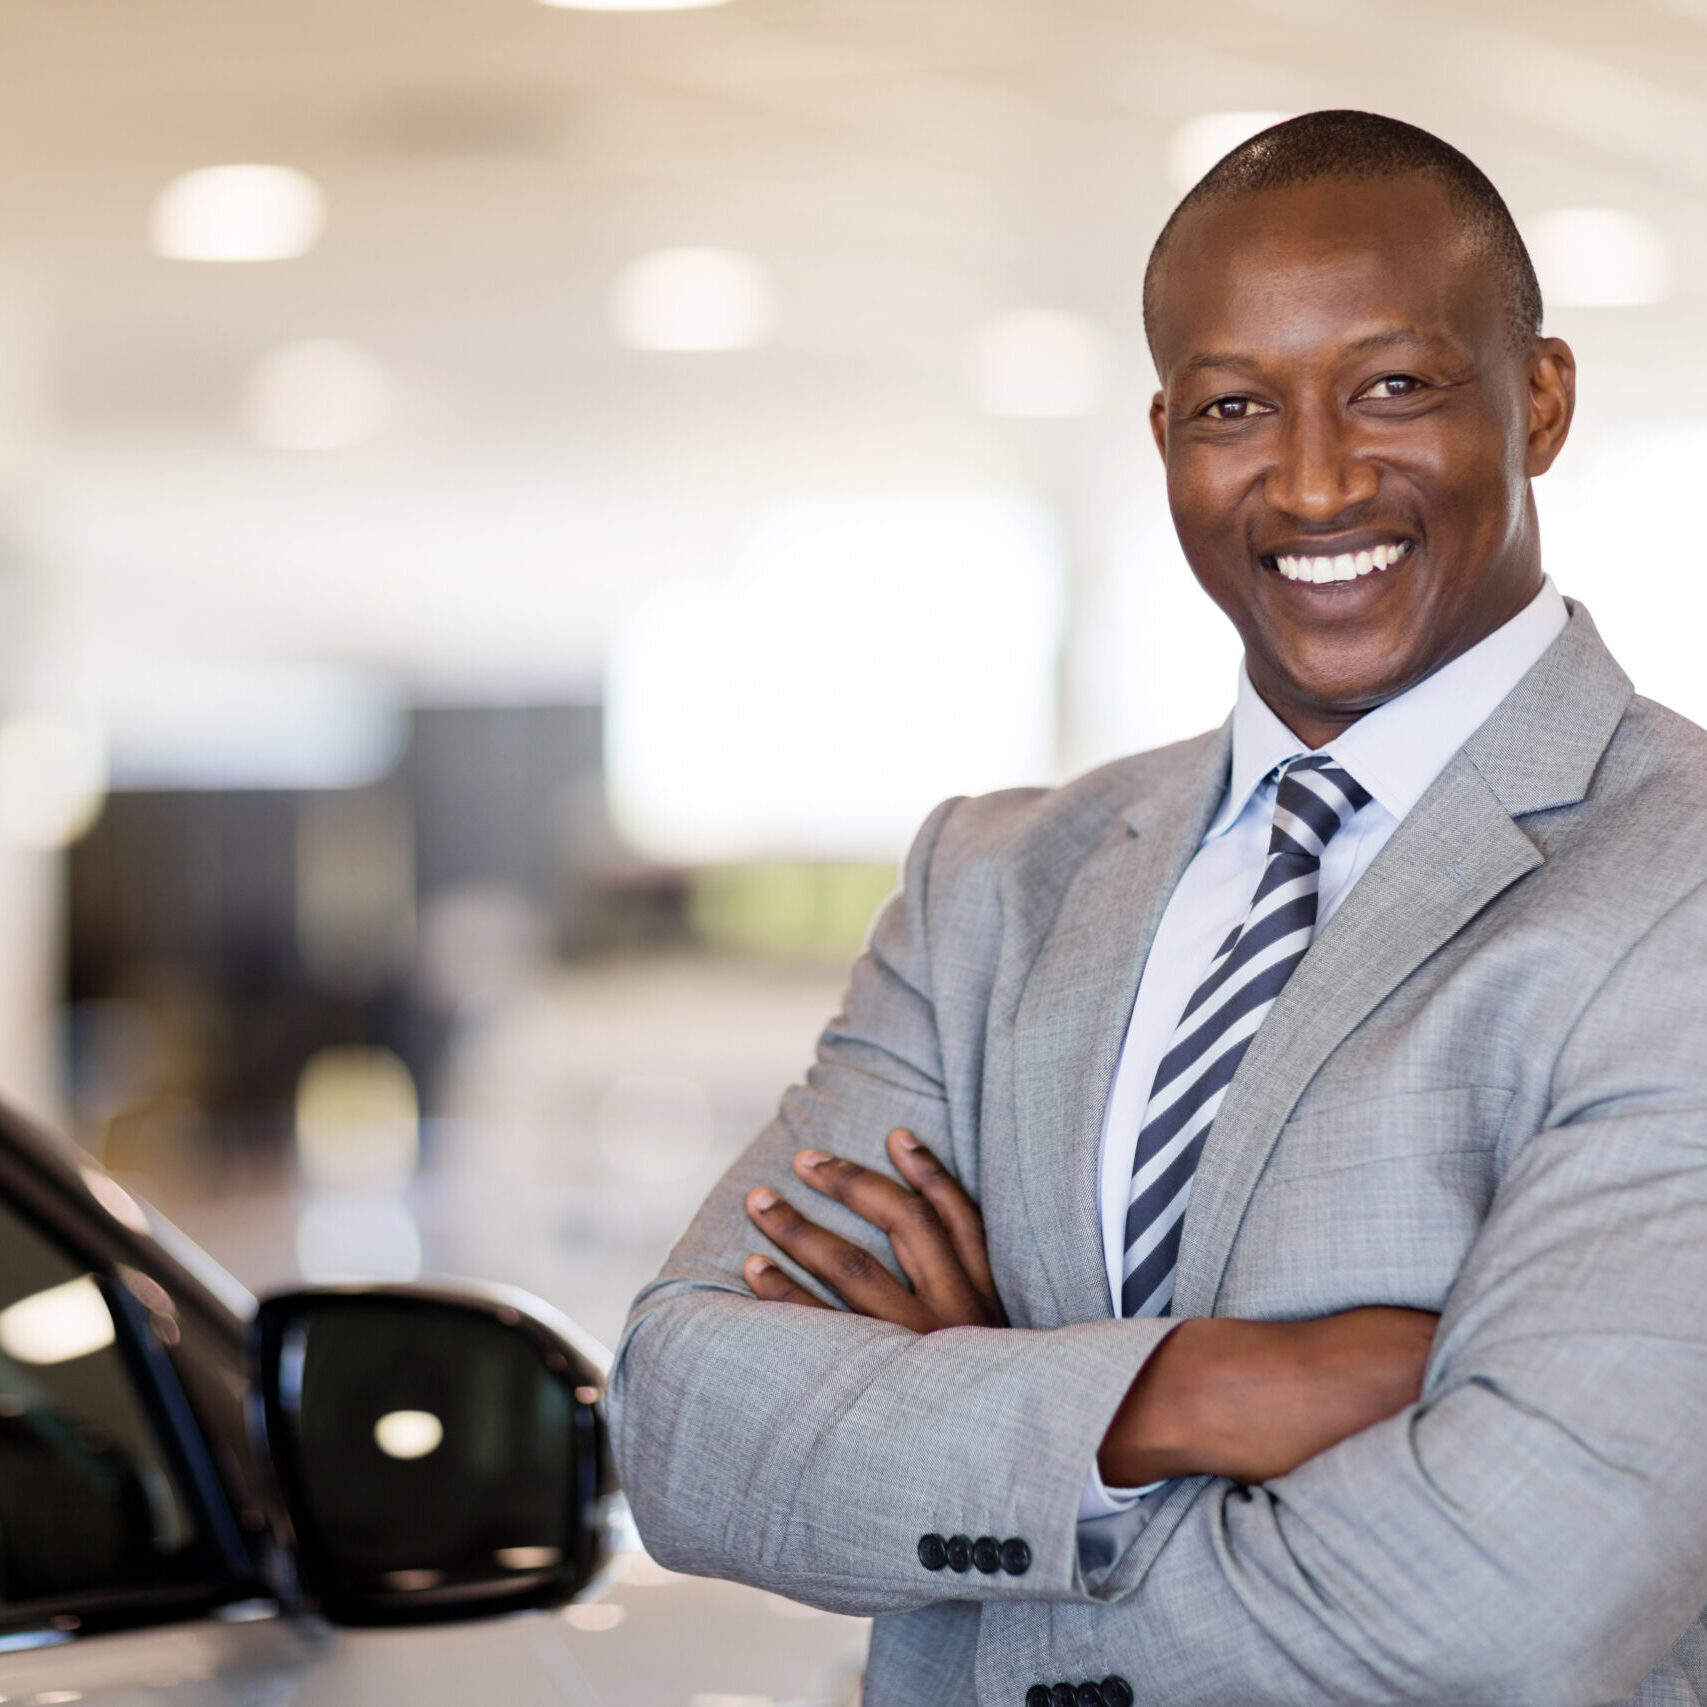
(1314, 799)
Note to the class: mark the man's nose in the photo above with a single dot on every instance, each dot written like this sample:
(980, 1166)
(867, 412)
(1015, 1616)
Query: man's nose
(1319, 472)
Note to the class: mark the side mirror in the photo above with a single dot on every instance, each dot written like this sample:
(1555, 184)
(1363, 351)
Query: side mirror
(439, 1452)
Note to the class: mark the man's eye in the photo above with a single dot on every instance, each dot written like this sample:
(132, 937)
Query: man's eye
(1392, 385)
(1232, 409)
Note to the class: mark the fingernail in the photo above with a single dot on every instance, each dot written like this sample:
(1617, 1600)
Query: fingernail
(812, 1158)
(904, 1138)
(758, 1265)
(762, 1199)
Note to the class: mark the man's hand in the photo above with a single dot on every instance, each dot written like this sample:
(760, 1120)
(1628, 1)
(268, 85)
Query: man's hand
(934, 1229)
(1253, 1400)
(1218, 1397)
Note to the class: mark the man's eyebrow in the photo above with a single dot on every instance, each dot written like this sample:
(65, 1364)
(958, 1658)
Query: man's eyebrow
(1219, 358)
(1384, 340)
(1250, 364)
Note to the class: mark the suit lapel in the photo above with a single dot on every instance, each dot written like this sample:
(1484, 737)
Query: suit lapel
(1072, 1016)
(1408, 903)
(1456, 851)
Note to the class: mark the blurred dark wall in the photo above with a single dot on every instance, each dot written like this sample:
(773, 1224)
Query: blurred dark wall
(217, 939)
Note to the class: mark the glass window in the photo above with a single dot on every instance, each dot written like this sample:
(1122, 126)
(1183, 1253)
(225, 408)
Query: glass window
(88, 1503)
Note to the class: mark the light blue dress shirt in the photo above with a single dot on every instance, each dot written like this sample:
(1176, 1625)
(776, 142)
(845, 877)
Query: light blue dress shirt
(1395, 752)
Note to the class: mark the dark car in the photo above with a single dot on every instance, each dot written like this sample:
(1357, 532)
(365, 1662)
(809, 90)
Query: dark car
(344, 1495)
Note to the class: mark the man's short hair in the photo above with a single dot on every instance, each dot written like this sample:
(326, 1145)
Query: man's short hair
(1347, 144)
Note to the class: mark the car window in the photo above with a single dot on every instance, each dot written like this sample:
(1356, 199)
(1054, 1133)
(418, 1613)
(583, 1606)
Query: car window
(88, 1503)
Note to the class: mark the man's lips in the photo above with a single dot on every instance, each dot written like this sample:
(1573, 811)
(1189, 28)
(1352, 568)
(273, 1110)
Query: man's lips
(1344, 565)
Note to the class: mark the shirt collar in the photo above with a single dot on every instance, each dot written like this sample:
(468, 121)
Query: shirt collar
(1399, 748)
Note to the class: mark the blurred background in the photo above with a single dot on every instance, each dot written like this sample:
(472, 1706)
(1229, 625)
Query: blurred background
(510, 513)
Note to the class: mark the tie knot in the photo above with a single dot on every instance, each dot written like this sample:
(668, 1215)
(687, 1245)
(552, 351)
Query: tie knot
(1314, 799)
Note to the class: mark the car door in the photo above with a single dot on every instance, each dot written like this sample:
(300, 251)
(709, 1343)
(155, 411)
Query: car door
(128, 1571)
(138, 1562)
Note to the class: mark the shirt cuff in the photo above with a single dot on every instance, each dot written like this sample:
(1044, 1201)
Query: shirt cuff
(1110, 1520)
(1096, 1501)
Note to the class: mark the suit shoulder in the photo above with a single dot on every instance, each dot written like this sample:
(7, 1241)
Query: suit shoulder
(1657, 761)
(1639, 833)
(1011, 824)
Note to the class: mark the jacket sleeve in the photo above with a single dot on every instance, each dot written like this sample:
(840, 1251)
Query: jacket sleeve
(1535, 1530)
(808, 1451)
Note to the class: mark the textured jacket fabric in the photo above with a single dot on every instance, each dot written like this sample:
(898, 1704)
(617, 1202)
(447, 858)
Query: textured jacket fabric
(1483, 1092)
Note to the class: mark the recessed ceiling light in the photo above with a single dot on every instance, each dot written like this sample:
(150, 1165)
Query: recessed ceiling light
(319, 394)
(1599, 257)
(632, 5)
(1039, 362)
(1200, 142)
(238, 213)
(692, 299)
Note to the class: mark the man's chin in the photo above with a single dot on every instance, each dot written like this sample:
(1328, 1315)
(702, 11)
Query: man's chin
(1326, 686)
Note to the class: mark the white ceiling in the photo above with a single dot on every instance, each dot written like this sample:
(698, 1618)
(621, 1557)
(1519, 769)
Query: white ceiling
(903, 168)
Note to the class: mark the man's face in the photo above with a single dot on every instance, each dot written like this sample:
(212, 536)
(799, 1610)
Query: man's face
(1349, 431)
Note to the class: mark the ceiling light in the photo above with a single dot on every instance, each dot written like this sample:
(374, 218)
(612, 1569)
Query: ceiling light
(692, 299)
(1200, 142)
(320, 394)
(1598, 257)
(1039, 362)
(238, 213)
(632, 5)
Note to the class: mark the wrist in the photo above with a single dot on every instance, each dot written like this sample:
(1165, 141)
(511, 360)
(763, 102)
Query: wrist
(1253, 1400)
(1167, 1423)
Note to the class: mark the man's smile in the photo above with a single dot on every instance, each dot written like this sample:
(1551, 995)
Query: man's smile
(1344, 565)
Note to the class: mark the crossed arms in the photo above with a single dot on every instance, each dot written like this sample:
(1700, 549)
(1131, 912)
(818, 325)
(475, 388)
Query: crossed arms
(1218, 1397)
(1533, 1529)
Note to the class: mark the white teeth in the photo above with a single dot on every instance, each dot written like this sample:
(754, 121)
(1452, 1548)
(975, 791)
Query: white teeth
(1347, 566)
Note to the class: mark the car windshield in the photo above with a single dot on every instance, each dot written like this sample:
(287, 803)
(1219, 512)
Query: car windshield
(88, 1505)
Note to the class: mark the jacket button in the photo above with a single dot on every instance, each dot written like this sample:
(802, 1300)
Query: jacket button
(933, 1552)
(959, 1553)
(1116, 1691)
(1064, 1695)
(1016, 1557)
(1089, 1695)
(987, 1554)
(1038, 1696)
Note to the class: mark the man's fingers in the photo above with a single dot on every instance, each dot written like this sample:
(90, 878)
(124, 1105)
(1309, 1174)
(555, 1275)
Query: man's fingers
(920, 1241)
(773, 1284)
(954, 1209)
(848, 1269)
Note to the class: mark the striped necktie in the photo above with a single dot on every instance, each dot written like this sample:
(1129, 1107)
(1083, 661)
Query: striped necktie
(1314, 799)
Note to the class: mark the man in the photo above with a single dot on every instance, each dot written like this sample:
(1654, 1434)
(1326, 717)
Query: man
(1331, 1325)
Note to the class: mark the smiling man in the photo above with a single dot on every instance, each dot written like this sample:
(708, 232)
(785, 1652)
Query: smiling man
(1245, 1238)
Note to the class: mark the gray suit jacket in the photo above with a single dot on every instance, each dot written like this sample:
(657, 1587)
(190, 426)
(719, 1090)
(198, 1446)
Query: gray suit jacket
(1483, 1092)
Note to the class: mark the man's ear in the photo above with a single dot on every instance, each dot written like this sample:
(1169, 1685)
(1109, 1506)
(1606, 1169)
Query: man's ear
(1552, 401)
(1159, 424)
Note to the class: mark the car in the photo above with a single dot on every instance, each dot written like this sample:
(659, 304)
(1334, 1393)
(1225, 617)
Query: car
(342, 1495)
